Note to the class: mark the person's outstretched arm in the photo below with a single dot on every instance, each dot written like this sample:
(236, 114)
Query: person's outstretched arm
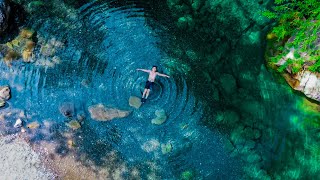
(163, 75)
(144, 70)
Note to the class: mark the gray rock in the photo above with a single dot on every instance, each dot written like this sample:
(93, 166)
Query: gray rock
(5, 93)
(4, 15)
(101, 113)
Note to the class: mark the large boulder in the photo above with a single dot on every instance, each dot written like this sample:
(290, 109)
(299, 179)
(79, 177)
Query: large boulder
(4, 15)
(101, 113)
(308, 83)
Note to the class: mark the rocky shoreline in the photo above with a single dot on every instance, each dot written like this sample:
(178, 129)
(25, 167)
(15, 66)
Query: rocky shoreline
(305, 80)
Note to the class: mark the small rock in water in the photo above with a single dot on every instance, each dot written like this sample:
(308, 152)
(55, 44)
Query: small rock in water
(74, 124)
(161, 117)
(33, 125)
(101, 113)
(18, 123)
(5, 92)
(67, 109)
(135, 102)
(166, 148)
(2, 103)
(70, 144)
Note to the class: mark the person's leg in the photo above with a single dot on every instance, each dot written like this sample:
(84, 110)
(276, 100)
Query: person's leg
(144, 93)
(147, 94)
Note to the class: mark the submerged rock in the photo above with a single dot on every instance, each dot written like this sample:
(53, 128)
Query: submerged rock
(74, 124)
(22, 46)
(67, 109)
(166, 148)
(135, 102)
(33, 125)
(161, 117)
(101, 113)
(4, 15)
(5, 93)
(151, 145)
(2, 103)
(308, 83)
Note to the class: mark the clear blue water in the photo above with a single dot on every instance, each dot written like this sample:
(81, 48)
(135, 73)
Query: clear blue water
(103, 46)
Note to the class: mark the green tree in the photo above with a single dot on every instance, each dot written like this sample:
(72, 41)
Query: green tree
(301, 19)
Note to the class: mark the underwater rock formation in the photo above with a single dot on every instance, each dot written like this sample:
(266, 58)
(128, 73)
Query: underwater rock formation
(74, 124)
(2, 103)
(166, 148)
(22, 46)
(33, 125)
(67, 109)
(101, 113)
(4, 15)
(160, 118)
(135, 102)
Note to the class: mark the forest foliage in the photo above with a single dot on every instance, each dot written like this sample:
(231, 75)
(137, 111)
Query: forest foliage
(299, 19)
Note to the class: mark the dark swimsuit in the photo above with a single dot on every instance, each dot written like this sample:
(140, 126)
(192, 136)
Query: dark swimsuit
(149, 85)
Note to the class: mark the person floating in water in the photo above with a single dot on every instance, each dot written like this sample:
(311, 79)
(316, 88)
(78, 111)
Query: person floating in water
(152, 76)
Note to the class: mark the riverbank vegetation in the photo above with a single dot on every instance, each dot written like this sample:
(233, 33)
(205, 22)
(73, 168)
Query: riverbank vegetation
(297, 30)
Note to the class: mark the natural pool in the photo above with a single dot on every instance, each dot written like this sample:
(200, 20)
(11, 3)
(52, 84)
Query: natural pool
(88, 52)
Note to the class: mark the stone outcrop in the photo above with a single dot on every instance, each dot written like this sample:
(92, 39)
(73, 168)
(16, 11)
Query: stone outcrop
(101, 113)
(4, 15)
(67, 109)
(305, 81)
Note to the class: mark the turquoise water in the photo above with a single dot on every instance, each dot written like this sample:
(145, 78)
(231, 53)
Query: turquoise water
(100, 46)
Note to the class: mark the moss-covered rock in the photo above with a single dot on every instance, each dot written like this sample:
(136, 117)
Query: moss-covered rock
(74, 124)
(135, 102)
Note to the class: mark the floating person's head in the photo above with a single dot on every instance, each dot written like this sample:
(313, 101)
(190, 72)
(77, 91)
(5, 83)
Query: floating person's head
(154, 68)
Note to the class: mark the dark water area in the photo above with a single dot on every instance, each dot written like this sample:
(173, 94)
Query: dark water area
(226, 111)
